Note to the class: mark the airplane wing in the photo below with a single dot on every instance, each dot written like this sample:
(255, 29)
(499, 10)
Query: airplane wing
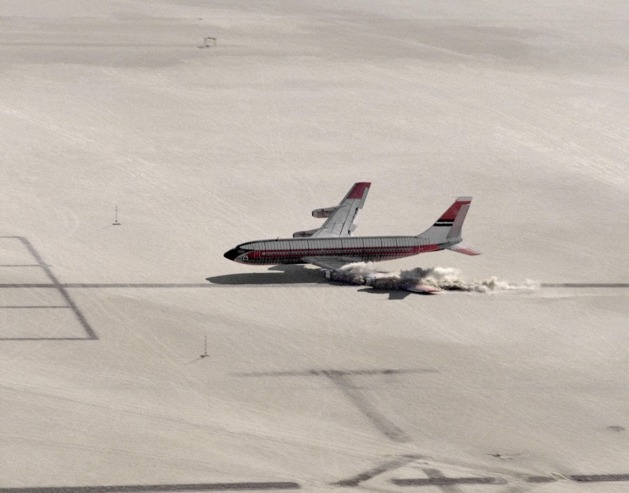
(330, 263)
(340, 221)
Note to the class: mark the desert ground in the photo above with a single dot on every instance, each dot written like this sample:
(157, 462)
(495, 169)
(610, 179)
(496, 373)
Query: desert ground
(309, 385)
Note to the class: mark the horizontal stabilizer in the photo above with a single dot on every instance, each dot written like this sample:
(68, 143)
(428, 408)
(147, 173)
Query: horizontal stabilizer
(465, 250)
(422, 289)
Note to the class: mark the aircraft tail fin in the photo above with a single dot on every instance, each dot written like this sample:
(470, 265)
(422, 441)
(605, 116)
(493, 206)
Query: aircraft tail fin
(449, 225)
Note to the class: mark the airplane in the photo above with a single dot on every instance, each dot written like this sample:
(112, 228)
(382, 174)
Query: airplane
(331, 247)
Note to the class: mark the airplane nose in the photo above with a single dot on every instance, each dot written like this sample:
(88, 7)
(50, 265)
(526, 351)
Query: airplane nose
(231, 254)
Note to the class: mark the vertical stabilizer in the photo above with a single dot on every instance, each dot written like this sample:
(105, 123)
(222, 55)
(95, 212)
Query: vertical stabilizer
(448, 227)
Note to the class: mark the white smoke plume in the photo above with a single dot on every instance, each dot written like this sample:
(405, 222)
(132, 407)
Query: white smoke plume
(443, 278)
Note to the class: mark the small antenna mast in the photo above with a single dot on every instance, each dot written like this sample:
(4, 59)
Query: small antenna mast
(116, 223)
(205, 355)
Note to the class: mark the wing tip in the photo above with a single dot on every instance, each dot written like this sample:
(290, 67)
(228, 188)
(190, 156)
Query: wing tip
(358, 190)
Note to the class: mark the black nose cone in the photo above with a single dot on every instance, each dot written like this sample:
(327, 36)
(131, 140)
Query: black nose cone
(231, 254)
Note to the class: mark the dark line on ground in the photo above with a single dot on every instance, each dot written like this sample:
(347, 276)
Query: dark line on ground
(98, 46)
(387, 466)
(318, 373)
(79, 315)
(438, 475)
(341, 378)
(379, 420)
(46, 339)
(208, 285)
(34, 306)
(446, 481)
(540, 479)
(158, 487)
(584, 285)
(24, 285)
(592, 478)
(20, 265)
(138, 285)
(107, 285)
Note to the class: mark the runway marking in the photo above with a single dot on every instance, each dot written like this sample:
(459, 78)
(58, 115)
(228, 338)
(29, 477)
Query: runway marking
(585, 285)
(139, 285)
(315, 372)
(18, 265)
(366, 408)
(371, 473)
(436, 478)
(58, 286)
(540, 479)
(341, 379)
(20, 285)
(108, 285)
(33, 306)
(449, 485)
(595, 478)
(158, 487)
(105, 285)
(436, 474)
(379, 420)
(45, 339)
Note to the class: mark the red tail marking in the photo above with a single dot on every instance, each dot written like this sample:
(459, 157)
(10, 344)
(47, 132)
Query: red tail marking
(358, 190)
(454, 209)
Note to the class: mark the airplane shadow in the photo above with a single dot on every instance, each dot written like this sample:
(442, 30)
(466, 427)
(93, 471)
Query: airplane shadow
(283, 274)
(294, 274)
(394, 294)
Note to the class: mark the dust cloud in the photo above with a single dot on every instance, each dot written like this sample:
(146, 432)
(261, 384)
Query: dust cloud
(443, 278)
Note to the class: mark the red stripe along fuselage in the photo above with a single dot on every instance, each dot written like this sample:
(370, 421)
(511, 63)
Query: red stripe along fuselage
(366, 249)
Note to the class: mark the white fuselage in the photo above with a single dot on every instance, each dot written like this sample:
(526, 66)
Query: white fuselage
(361, 248)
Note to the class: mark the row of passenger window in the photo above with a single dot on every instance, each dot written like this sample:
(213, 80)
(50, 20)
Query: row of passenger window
(345, 243)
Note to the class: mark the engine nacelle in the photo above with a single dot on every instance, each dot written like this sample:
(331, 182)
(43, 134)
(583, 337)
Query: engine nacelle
(304, 234)
(345, 276)
(325, 212)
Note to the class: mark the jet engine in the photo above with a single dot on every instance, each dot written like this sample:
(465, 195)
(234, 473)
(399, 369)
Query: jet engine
(325, 212)
(344, 276)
